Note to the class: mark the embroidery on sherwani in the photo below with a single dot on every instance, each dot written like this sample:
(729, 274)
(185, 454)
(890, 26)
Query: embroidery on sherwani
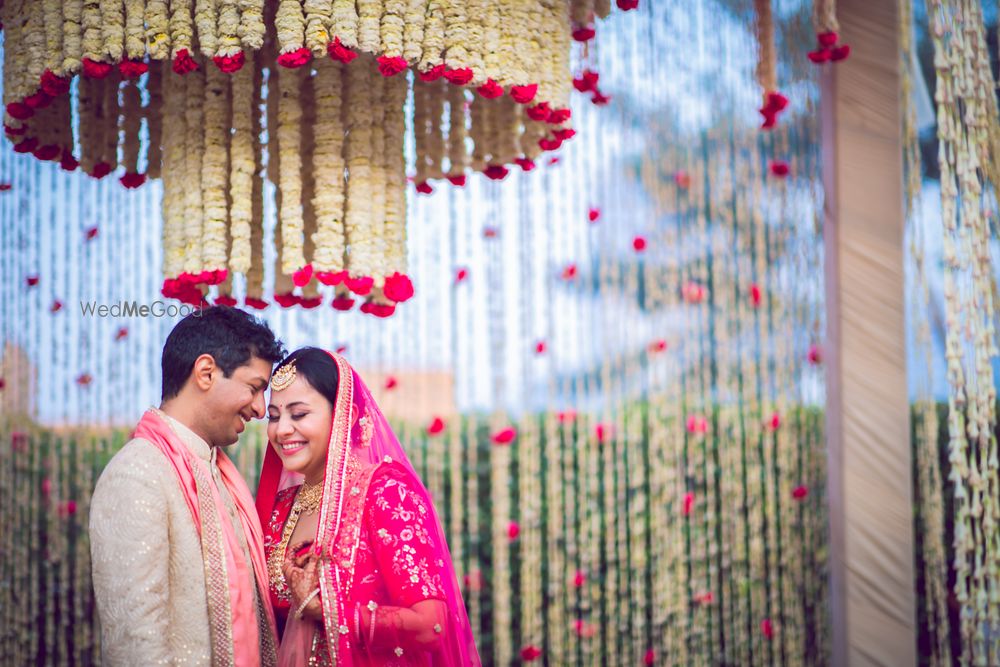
(220, 617)
(268, 647)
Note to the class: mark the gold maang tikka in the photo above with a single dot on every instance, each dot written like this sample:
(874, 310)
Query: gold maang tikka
(283, 377)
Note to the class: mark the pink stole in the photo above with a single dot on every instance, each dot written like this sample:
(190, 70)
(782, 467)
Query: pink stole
(233, 617)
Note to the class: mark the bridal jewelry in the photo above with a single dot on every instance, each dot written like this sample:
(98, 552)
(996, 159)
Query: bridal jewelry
(307, 501)
(309, 498)
(283, 377)
(305, 603)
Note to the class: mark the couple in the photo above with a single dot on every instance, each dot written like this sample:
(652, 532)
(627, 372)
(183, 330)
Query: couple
(343, 559)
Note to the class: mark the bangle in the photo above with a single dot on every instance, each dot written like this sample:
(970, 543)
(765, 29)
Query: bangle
(305, 603)
(357, 625)
(371, 627)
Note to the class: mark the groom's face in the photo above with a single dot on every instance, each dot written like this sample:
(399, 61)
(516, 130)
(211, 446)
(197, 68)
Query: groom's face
(232, 401)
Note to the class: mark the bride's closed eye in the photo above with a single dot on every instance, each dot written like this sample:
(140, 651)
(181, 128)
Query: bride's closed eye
(274, 418)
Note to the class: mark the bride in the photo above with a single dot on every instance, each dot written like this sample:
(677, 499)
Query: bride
(359, 570)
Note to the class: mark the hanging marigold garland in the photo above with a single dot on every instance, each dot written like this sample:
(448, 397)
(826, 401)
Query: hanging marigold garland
(112, 43)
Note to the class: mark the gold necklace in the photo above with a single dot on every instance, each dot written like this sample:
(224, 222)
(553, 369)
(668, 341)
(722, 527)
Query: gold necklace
(309, 498)
(307, 501)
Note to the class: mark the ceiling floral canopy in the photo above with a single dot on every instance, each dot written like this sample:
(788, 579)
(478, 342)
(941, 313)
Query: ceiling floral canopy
(300, 102)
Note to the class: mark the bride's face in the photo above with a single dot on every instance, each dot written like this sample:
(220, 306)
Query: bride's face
(298, 428)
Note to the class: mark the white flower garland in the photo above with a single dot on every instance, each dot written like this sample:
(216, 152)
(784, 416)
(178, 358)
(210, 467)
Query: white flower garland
(328, 158)
(290, 23)
(433, 46)
(478, 12)
(394, 100)
(493, 27)
(112, 29)
(517, 48)
(255, 274)
(135, 29)
(557, 67)
(358, 154)
(456, 35)
(214, 168)
(378, 183)
(158, 29)
(290, 174)
(241, 168)
(307, 143)
(252, 29)
(181, 27)
(413, 29)
(229, 42)
(34, 43)
(53, 34)
(393, 23)
(206, 21)
(318, 18)
(194, 145)
(344, 23)
(72, 38)
(174, 168)
(369, 25)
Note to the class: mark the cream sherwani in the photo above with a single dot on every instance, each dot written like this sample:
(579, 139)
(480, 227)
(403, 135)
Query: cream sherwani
(148, 567)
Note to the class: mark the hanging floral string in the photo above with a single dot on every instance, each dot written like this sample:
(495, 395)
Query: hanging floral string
(115, 41)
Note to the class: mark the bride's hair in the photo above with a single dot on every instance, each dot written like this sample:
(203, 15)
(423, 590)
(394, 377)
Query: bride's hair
(318, 368)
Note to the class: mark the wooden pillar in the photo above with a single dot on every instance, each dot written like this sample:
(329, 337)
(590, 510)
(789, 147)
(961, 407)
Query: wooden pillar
(868, 420)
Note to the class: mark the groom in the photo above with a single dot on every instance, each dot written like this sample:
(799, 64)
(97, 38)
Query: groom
(176, 546)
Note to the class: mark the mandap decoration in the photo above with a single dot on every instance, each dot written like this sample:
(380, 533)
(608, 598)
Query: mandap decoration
(230, 101)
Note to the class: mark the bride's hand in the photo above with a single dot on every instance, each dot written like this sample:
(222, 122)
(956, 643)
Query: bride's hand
(302, 576)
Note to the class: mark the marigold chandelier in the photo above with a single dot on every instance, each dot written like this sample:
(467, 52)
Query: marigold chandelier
(175, 90)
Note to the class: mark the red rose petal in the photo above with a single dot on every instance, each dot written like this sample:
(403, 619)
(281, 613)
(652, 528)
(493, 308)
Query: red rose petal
(230, 64)
(338, 51)
(433, 74)
(458, 77)
(302, 277)
(524, 94)
(132, 69)
(490, 90)
(391, 65)
(93, 69)
(183, 63)
(295, 59)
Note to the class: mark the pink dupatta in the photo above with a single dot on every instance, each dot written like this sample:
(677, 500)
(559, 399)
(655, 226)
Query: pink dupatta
(233, 623)
(361, 441)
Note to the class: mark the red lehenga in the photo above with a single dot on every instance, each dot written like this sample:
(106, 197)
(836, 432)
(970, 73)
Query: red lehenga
(381, 545)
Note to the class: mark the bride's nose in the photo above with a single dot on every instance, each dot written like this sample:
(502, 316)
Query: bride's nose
(285, 427)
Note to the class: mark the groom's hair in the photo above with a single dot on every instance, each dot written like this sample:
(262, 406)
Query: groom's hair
(230, 335)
